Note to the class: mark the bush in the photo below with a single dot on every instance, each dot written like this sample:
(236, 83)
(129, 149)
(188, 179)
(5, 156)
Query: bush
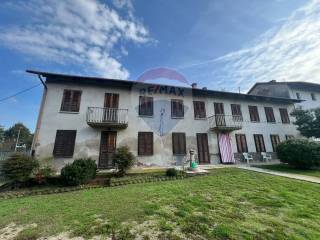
(18, 167)
(172, 172)
(81, 171)
(299, 153)
(123, 160)
(43, 173)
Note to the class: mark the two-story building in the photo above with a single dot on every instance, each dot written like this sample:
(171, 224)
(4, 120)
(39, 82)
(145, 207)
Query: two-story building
(90, 117)
(306, 91)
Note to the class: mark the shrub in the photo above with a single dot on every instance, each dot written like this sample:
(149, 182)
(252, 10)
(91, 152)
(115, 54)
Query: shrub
(172, 172)
(299, 153)
(18, 167)
(43, 173)
(123, 160)
(79, 172)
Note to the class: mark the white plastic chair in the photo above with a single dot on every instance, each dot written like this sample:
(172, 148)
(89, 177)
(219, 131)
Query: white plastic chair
(248, 157)
(266, 157)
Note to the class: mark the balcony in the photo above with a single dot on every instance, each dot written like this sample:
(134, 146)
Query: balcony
(107, 117)
(225, 123)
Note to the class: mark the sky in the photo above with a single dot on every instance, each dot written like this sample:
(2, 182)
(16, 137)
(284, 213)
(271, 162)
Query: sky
(221, 45)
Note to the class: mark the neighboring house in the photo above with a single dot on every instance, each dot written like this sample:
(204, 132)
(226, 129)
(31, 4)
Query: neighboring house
(309, 92)
(91, 117)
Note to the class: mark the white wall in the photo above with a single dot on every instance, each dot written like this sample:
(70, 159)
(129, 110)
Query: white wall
(306, 95)
(88, 138)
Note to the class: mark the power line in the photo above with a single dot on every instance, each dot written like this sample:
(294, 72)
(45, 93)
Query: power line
(20, 92)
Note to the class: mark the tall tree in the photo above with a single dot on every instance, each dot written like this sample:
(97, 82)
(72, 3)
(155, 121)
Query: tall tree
(1, 134)
(308, 122)
(11, 135)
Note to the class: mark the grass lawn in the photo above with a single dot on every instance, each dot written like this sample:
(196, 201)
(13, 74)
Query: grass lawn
(288, 169)
(227, 204)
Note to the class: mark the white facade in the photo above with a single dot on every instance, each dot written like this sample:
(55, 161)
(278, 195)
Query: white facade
(308, 92)
(87, 143)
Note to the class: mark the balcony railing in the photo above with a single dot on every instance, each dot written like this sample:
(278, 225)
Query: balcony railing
(220, 122)
(107, 117)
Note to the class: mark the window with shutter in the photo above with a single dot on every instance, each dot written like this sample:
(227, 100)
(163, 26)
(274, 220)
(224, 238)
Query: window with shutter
(177, 109)
(236, 112)
(269, 114)
(284, 115)
(178, 143)
(70, 101)
(199, 109)
(275, 140)
(146, 106)
(259, 142)
(64, 143)
(241, 143)
(254, 114)
(288, 137)
(145, 143)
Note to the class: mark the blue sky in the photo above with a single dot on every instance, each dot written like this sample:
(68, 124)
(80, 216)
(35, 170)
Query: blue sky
(222, 45)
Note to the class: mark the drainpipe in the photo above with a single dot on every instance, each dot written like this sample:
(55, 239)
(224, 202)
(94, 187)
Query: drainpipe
(36, 133)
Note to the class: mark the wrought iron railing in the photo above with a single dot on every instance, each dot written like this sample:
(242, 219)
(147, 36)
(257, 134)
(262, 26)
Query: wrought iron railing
(225, 121)
(98, 115)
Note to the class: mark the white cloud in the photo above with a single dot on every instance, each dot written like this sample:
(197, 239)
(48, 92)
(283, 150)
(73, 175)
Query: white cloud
(287, 52)
(82, 32)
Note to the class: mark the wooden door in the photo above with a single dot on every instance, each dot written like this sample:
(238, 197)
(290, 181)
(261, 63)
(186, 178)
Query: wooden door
(111, 104)
(107, 149)
(203, 148)
(219, 114)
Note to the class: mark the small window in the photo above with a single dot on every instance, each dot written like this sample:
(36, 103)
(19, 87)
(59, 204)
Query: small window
(275, 140)
(259, 142)
(64, 143)
(254, 114)
(313, 97)
(179, 143)
(298, 95)
(269, 114)
(236, 112)
(288, 137)
(284, 115)
(199, 110)
(241, 143)
(70, 101)
(177, 110)
(145, 143)
(146, 106)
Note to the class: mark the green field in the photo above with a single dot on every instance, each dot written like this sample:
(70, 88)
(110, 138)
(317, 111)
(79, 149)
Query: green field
(288, 169)
(227, 204)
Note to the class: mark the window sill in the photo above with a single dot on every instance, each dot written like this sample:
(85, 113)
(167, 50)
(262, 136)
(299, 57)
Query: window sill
(200, 118)
(146, 116)
(177, 117)
(68, 112)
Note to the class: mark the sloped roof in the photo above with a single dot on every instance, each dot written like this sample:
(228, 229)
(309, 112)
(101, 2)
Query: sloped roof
(98, 81)
(298, 85)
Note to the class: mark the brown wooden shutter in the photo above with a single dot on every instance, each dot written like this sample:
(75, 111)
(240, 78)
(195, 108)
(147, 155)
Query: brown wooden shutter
(241, 143)
(177, 108)
(71, 101)
(199, 109)
(259, 142)
(236, 110)
(145, 143)
(218, 109)
(254, 114)
(284, 115)
(275, 140)
(64, 143)
(269, 114)
(179, 143)
(145, 106)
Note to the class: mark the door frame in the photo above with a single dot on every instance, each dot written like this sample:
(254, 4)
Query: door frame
(100, 148)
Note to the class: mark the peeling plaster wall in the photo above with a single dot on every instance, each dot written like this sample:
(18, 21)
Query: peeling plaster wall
(88, 138)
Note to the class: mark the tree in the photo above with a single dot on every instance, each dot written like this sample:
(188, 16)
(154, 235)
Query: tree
(11, 135)
(308, 122)
(1, 134)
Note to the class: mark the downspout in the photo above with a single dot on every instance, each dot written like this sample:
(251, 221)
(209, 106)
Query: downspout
(36, 133)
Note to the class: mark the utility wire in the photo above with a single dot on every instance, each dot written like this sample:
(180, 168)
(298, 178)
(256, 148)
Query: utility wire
(20, 92)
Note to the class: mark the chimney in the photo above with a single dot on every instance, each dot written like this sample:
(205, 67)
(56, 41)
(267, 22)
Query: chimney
(273, 81)
(194, 85)
(204, 88)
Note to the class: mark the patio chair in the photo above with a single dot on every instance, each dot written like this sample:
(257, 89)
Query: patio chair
(248, 157)
(266, 157)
